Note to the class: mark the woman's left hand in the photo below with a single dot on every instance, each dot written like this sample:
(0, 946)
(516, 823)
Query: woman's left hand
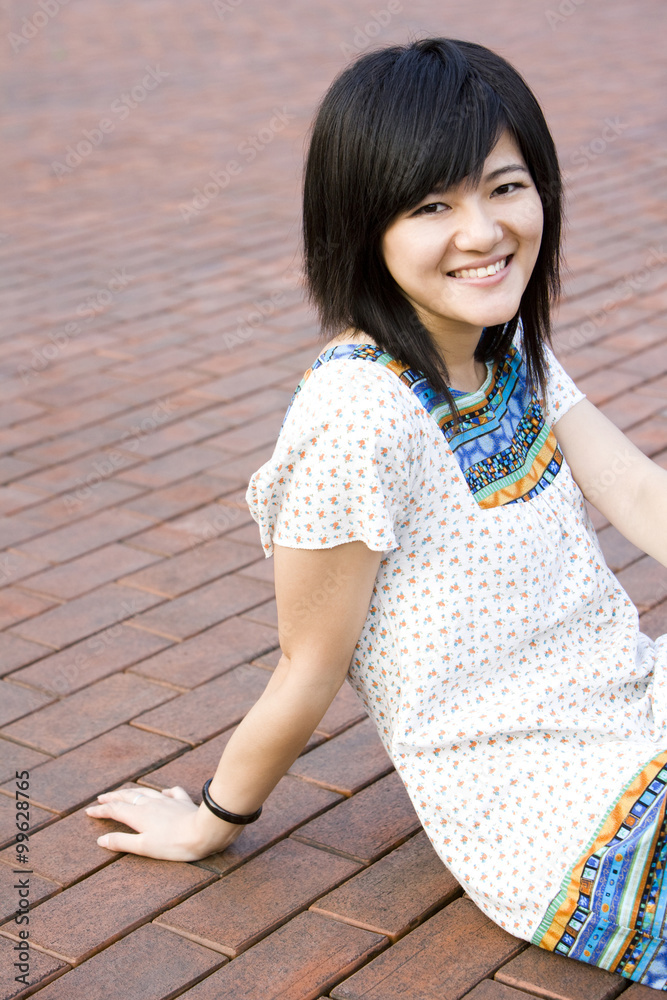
(166, 823)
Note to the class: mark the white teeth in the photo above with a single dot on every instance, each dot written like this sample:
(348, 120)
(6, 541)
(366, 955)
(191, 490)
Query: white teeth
(481, 272)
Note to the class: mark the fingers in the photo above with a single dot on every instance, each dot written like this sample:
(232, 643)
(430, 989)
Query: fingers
(120, 810)
(131, 795)
(177, 793)
(132, 843)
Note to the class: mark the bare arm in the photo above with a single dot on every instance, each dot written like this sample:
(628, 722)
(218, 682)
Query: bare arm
(323, 597)
(616, 477)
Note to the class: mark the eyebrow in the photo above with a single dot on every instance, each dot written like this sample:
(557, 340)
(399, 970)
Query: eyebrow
(510, 168)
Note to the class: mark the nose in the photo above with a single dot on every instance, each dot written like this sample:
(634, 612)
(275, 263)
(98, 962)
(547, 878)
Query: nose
(478, 229)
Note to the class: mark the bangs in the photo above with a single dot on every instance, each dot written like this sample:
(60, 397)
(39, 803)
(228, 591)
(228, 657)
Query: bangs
(432, 123)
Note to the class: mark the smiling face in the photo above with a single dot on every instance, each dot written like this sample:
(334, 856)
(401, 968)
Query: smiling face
(463, 257)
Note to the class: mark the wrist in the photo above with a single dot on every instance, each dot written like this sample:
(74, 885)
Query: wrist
(210, 834)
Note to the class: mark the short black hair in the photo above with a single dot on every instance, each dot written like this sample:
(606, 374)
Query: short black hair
(394, 126)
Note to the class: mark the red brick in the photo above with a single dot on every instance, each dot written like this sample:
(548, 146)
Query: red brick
(16, 758)
(618, 551)
(201, 608)
(14, 498)
(211, 521)
(262, 569)
(489, 989)
(210, 708)
(155, 962)
(242, 467)
(237, 911)
(38, 888)
(17, 606)
(16, 701)
(263, 614)
(8, 830)
(84, 536)
(66, 851)
(64, 508)
(88, 713)
(608, 383)
(366, 826)
(13, 468)
(250, 435)
(345, 710)
(12, 413)
(558, 978)
(637, 338)
(631, 408)
(396, 893)
(251, 381)
(347, 763)
(646, 582)
(73, 925)
(248, 535)
(648, 362)
(92, 570)
(297, 962)
(174, 357)
(16, 566)
(436, 959)
(209, 654)
(269, 660)
(172, 468)
(637, 992)
(171, 501)
(89, 660)
(43, 969)
(85, 615)
(650, 435)
(15, 652)
(654, 622)
(175, 576)
(97, 766)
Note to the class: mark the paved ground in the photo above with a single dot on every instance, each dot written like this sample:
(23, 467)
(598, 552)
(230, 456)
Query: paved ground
(153, 333)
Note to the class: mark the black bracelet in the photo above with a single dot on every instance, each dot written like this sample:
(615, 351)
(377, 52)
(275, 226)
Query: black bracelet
(222, 813)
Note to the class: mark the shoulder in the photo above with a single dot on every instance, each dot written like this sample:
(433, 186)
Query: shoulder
(347, 385)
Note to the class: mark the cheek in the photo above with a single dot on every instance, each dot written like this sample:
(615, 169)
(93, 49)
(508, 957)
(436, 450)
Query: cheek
(532, 221)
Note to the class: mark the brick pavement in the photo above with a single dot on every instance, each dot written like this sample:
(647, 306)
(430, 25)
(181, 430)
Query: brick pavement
(154, 330)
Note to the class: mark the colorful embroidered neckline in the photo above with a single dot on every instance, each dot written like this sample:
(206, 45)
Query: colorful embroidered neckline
(506, 450)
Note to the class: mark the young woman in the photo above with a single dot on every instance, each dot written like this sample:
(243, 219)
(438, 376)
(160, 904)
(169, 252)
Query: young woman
(429, 481)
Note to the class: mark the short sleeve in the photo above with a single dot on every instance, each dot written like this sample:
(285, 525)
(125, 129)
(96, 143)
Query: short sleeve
(562, 393)
(340, 471)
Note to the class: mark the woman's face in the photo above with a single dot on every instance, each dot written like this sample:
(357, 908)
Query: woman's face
(435, 251)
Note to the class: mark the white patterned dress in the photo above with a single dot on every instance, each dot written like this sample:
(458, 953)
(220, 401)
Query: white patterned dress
(500, 659)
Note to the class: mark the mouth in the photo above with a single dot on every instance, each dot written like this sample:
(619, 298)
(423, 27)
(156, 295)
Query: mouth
(482, 272)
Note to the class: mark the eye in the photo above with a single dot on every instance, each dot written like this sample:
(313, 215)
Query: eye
(509, 188)
(433, 208)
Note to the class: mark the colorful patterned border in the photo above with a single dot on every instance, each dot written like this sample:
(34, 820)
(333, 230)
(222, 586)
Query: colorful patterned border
(506, 450)
(612, 906)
